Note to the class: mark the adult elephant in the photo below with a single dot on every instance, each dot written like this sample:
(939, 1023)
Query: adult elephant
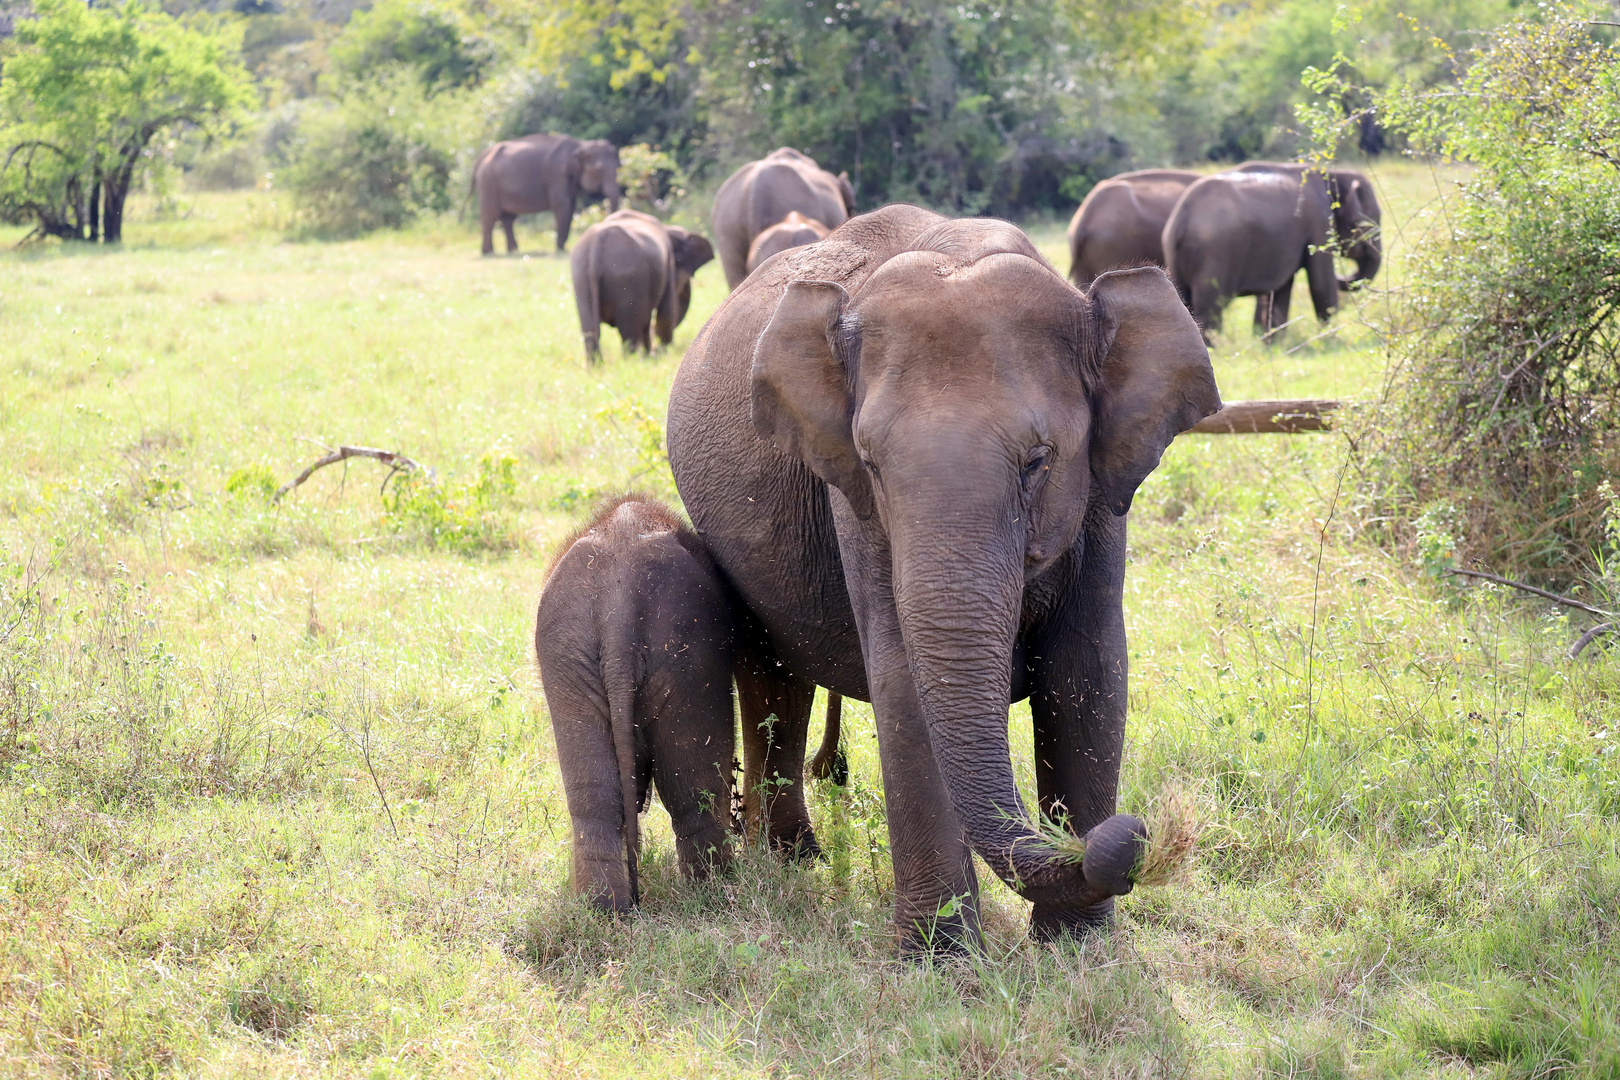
(542, 172)
(762, 193)
(1247, 232)
(793, 231)
(629, 267)
(910, 448)
(1122, 221)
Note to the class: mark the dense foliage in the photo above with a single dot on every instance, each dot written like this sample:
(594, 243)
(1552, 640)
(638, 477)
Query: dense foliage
(83, 93)
(1504, 422)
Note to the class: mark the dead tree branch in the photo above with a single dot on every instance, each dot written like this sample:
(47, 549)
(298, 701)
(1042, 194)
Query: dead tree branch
(395, 461)
(1590, 636)
(1554, 597)
(1255, 417)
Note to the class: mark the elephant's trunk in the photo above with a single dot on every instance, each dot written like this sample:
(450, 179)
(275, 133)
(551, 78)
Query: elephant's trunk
(614, 194)
(958, 587)
(1368, 256)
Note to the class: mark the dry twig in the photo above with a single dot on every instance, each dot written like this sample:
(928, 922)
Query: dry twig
(395, 461)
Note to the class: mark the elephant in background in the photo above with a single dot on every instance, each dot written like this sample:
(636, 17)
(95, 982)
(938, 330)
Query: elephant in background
(542, 172)
(910, 449)
(1121, 222)
(630, 270)
(793, 231)
(635, 636)
(1248, 231)
(762, 193)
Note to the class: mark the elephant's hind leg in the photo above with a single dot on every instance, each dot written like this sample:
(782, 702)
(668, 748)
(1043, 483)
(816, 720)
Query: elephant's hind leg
(775, 709)
(511, 237)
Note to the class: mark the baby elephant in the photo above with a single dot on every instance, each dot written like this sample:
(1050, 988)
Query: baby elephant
(629, 266)
(793, 231)
(636, 639)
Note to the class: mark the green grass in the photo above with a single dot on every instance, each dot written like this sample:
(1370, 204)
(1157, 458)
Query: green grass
(278, 789)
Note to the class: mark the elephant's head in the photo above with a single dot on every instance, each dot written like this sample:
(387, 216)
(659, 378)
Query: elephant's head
(1356, 223)
(692, 250)
(976, 405)
(596, 170)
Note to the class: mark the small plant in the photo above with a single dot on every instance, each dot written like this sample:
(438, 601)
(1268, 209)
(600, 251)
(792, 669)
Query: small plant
(464, 517)
(251, 481)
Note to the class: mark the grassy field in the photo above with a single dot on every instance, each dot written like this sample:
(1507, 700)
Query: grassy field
(278, 789)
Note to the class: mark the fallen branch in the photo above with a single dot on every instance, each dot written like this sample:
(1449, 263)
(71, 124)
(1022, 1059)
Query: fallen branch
(1256, 417)
(1554, 597)
(1590, 636)
(396, 462)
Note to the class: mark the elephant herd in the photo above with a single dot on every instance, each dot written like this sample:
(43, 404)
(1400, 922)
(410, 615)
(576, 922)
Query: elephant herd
(632, 271)
(908, 448)
(1245, 232)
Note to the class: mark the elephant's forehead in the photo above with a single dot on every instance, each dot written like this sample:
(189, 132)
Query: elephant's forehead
(930, 293)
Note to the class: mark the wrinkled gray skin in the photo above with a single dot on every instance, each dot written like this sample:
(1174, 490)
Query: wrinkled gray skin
(542, 172)
(793, 231)
(762, 193)
(635, 636)
(1248, 231)
(630, 271)
(910, 448)
(1122, 221)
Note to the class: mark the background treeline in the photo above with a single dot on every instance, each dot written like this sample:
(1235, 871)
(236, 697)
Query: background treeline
(372, 114)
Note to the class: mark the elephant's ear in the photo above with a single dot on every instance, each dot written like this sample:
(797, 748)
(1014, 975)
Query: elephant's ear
(1156, 380)
(847, 190)
(692, 250)
(801, 398)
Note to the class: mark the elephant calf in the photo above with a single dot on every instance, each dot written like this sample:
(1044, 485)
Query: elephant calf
(629, 266)
(761, 193)
(793, 231)
(635, 637)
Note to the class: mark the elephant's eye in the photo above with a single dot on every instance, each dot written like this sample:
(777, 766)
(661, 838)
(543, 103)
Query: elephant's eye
(870, 466)
(1035, 470)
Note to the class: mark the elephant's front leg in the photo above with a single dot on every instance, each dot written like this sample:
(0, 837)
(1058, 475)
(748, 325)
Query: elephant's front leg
(1078, 679)
(775, 709)
(936, 906)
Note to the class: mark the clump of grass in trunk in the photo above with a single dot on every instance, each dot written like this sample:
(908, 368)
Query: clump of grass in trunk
(1174, 828)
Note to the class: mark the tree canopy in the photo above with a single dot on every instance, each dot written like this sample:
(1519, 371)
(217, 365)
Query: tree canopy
(83, 92)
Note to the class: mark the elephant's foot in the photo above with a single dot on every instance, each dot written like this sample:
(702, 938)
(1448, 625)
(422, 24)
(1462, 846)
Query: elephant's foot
(798, 846)
(1061, 922)
(940, 937)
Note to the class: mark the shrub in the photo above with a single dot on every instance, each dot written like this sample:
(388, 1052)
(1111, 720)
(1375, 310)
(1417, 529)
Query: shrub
(1505, 400)
(376, 159)
(467, 516)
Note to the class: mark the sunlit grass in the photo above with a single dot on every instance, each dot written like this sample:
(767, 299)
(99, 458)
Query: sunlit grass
(279, 794)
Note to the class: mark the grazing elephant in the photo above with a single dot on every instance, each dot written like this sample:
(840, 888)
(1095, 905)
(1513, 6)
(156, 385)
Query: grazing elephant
(542, 172)
(910, 449)
(1121, 222)
(762, 193)
(793, 231)
(635, 636)
(629, 266)
(1246, 232)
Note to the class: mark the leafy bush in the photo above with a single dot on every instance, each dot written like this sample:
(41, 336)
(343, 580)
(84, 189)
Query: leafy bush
(376, 159)
(466, 517)
(1506, 399)
(434, 41)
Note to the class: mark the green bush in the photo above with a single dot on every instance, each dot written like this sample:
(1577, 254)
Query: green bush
(436, 42)
(1506, 396)
(468, 516)
(376, 159)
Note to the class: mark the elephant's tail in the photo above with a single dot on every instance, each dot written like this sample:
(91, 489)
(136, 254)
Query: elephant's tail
(588, 296)
(830, 762)
(619, 682)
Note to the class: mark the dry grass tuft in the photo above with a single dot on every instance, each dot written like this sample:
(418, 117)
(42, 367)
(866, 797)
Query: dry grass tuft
(1174, 828)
